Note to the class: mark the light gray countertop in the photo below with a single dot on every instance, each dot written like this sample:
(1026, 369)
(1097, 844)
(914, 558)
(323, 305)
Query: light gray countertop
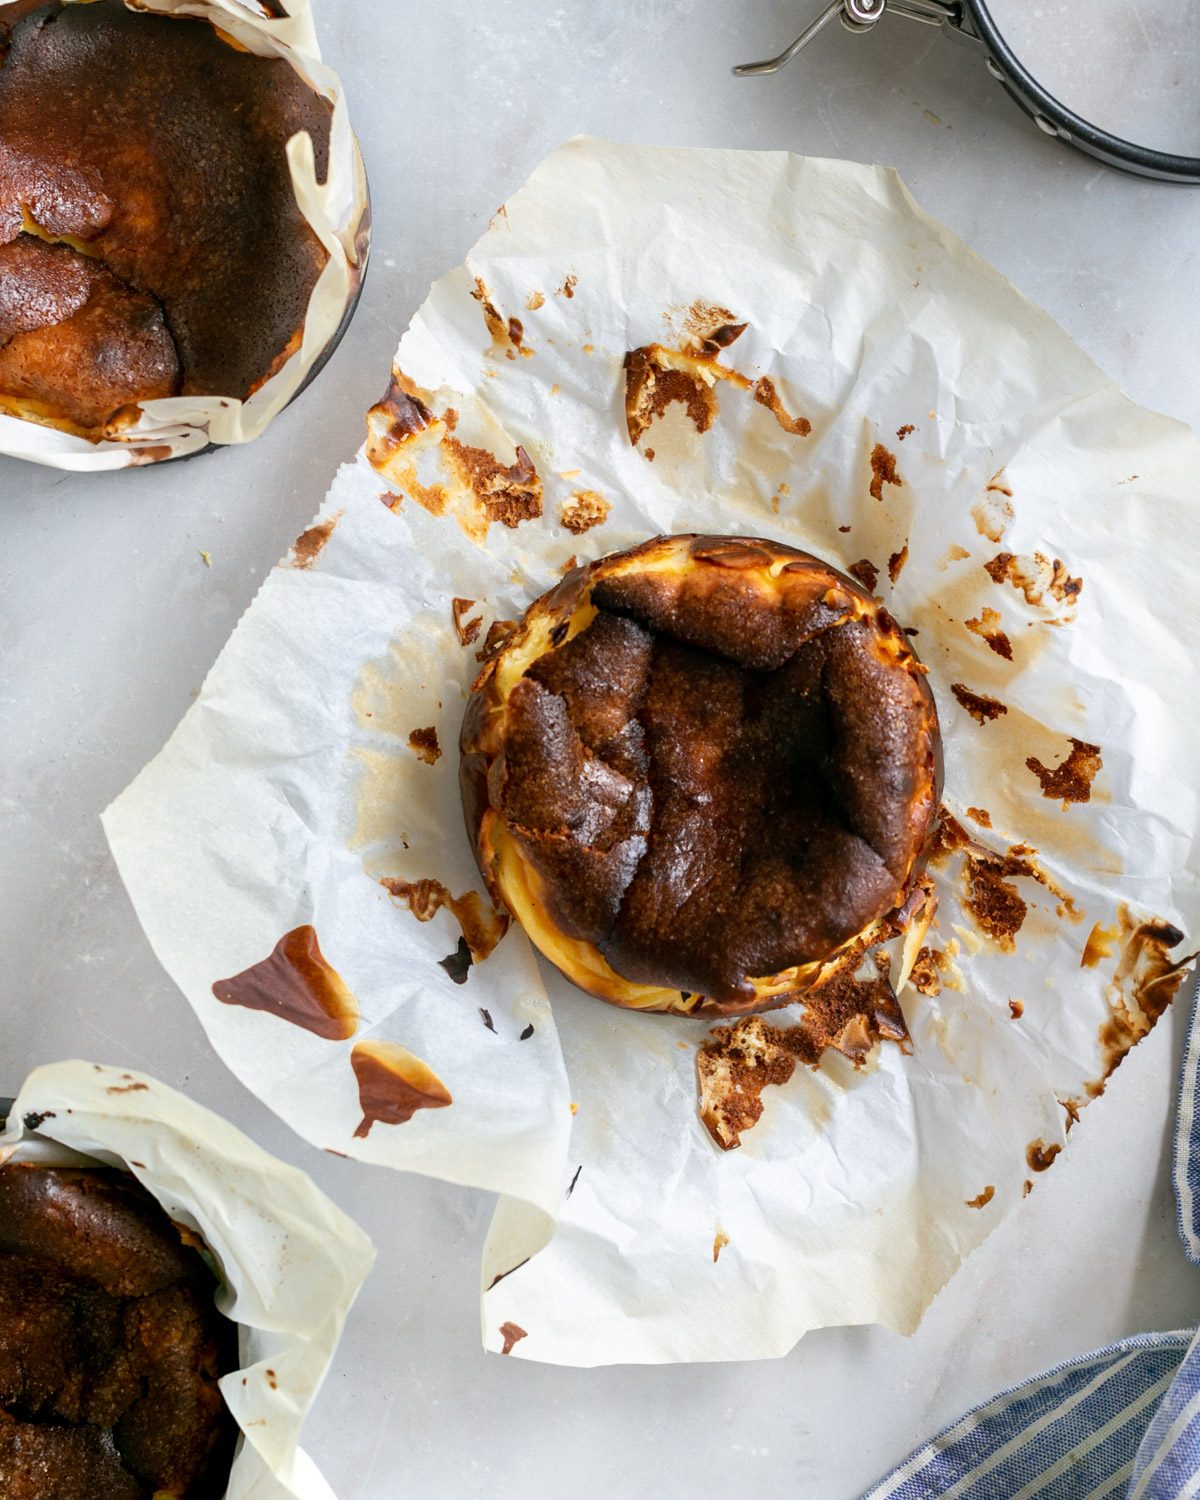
(109, 620)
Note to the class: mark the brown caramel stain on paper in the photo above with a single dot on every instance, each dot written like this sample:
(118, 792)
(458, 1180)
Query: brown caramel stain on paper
(417, 452)
(1016, 1009)
(507, 334)
(983, 1199)
(766, 395)
(980, 815)
(1071, 780)
(393, 1084)
(658, 376)
(567, 289)
(845, 1014)
(309, 545)
(1101, 943)
(508, 493)
(482, 924)
(987, 627)
(512, 1333)
(424, 744)
(720, 1240)
(1043, 582)
(582, 511)
(534, 301)
(896, 562)
(466, 630)
(981, 708)
(297, 983)
(1144, 982)
(1039, 1156)
(883, 471)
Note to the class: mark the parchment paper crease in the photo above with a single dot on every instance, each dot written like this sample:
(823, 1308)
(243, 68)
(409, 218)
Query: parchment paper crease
(290, 790)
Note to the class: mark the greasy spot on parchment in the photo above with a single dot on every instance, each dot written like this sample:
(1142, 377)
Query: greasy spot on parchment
(994, 902)
(534, 301)
(896, 562)
(983, 1199)
(994, 511)
(424, 744)
(883, 471)
(393, 1084)
(309, 545)
(846, 1014)
(482, 924)
(866, 572)
(987, 626)
(1144, 982)
(297, 983)
(1038, 579)
(583, 510)
(511, 1333)
(981, 708)
(508, 334)
(416, 451)
(466, 630)
(720, 1240)
(1039, 1156)
(1071, 780)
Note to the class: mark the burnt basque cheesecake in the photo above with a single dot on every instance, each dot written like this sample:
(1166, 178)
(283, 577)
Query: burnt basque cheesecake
(150, 240)
(702, 774)
(110, 1345)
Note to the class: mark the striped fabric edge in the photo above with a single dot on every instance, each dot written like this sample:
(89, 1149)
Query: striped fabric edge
(931, 1470)
(1167, 1465)
(1185, 1153)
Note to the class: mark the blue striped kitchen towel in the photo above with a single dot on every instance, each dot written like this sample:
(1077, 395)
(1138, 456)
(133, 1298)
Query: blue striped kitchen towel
(1121, 1423)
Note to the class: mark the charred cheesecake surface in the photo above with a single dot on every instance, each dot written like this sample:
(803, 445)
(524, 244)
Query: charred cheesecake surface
(700, 772)
(110, 1346)
(150, 240)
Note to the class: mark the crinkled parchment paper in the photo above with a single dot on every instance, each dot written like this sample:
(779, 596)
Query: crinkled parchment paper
(1036, 530)
(337, 209)
(291, 1262)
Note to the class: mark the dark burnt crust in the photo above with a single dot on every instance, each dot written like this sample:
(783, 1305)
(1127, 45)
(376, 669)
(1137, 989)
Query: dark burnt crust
(712, 783)
(159, 148)
(110, 1345)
